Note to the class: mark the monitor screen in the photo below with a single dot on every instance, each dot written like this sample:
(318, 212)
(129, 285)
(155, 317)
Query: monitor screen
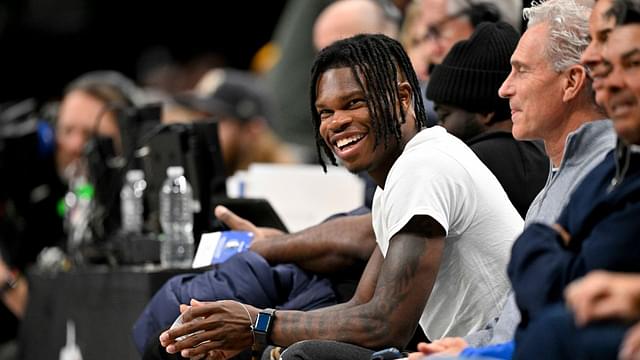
(195, 147)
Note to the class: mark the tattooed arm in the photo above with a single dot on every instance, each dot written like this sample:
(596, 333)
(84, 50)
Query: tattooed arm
(389, 300)
(325, 248)
(384, 311)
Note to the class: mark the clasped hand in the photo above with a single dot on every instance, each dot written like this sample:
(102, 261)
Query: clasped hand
(215, 330)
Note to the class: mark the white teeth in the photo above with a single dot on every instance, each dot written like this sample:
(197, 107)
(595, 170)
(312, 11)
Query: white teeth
(621, 108)
(346, 141)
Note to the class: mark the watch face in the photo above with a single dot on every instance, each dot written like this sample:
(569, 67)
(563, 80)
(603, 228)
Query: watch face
(262, 323)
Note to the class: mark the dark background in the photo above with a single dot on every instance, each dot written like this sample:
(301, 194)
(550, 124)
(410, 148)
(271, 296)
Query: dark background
(44, 44)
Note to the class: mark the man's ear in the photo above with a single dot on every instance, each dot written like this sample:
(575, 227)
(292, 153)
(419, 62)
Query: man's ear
(255, 126)
(485, 119)
(575, 80)
(406, 95)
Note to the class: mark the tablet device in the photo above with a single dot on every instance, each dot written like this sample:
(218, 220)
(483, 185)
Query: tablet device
(258, 211)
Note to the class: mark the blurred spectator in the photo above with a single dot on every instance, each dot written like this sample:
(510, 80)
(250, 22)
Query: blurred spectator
(432, 27)
(88, 108)
(157, 69)
(346, 18)
(36, 183)
(510, 10)
(244, 111)
(445, 22)
(412, 34)
(292, 44)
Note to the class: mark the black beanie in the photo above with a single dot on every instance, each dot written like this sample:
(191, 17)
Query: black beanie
(474, 69)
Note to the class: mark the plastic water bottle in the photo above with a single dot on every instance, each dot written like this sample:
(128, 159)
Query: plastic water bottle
(176, 220)
(132, 202)
(78, 204)
(70, 351)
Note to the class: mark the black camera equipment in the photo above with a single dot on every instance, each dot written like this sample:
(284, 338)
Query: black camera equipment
(29, 186)
(106, 172)
(196, 148)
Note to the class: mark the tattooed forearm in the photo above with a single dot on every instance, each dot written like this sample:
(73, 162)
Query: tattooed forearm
(389, 316)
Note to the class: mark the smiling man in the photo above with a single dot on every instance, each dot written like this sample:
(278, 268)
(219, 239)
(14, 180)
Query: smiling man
(601, 24)
(443, 224)
(598, 229)
(621, 60)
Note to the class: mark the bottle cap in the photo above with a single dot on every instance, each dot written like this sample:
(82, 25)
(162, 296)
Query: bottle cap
(85, 191)
(173, 171)
(135, 175)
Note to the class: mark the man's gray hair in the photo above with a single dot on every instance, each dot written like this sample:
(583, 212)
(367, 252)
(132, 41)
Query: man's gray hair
(568, 22)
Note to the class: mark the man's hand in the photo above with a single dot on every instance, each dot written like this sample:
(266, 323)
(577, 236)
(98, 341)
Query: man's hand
(235, 222)
(566, 237)
(15, 291)
(444, 346)
(217, 355)
(218, 329)
(604, 295)
(630, 349)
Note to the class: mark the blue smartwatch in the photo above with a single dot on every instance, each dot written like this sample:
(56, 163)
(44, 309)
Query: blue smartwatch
(262, 327)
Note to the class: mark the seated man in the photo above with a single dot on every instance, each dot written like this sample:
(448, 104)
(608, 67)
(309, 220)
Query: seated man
(464, 89)
(598, 230)
(244, 112)
(442, 222)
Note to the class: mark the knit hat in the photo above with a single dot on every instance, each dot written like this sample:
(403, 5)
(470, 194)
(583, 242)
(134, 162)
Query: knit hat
(474, 69)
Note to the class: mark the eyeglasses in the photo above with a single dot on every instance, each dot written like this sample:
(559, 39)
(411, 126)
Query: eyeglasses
(435, 31)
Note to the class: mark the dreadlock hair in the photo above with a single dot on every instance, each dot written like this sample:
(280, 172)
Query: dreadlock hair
(374, 61)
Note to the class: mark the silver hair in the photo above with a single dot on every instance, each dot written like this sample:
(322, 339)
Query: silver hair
(568, 22)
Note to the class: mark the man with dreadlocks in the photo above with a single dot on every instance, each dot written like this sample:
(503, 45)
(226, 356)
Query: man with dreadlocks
(443, 224)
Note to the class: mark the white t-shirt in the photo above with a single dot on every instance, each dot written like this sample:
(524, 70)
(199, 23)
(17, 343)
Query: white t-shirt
(439, 176)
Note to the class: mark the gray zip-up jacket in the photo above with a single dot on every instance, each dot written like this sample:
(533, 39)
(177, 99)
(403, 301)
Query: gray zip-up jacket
(584, 149)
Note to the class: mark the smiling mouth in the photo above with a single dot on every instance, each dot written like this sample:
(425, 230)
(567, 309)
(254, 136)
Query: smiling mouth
(620, 108)
(349, 141)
